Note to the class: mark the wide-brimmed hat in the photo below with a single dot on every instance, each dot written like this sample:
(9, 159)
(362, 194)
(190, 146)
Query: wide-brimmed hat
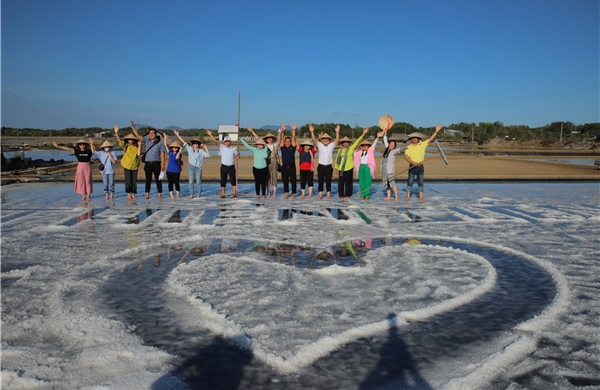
(325, 135)
(130, 136)
(82, 141)
(345, 139)
(195, 140)
(417, 135)
(307, 142)
(260, 142)
(386, 122)
(270, 135)
(366, 142)
(175, 145)
(107, 144)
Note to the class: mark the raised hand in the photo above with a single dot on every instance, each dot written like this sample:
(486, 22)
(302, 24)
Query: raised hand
(294, 127)
(116, 128)
(380, 134)
(311, 128)
(176, 132)
(209, 133)
(365, 131)
(337, 129)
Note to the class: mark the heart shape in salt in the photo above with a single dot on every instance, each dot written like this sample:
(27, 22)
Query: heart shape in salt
(289, 316)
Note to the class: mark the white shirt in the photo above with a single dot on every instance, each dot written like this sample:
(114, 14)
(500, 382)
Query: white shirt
(325, 153)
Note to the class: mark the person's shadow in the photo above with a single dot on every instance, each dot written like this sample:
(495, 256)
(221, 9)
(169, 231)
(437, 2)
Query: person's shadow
(395, 368)
(219, 365)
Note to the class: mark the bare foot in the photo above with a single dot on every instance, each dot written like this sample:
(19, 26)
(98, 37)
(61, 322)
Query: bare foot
(328, 196)
(407, 200)
(133, 197)
(172, 197)
(192, 196)
(129, 197)
(147, 196)
(387, 198)
(106, 196)
(112, 196)
(320, 196)
(302, 196)
(286, 196)
(160, 196)
(257, 197)
(421, 200)
(294, 196)
(397, 200)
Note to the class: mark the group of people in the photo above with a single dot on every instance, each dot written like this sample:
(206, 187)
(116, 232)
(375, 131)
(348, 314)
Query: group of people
(354, 159)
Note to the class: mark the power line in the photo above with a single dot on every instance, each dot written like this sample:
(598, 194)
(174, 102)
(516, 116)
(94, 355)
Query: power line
(31, 107)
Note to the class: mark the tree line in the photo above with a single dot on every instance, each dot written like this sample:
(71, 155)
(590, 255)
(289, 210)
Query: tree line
(481, 132)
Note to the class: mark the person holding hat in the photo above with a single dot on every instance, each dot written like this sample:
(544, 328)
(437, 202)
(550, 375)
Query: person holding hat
(260, 168)
(344, 164)
(197, 152)
(272, 144)
(107, 160)
(228, 156)
(388, 166)
(325, 168)
(307, 166)
(415, 154)
(364, 166)
(288, 147)
(130, 161)
(83, 175)
(173, 167)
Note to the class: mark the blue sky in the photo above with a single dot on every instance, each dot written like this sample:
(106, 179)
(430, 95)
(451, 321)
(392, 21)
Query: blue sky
(73, 63)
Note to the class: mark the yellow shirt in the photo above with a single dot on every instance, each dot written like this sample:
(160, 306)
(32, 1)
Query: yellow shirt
(346, 155)
(130, 159)
(417, 152)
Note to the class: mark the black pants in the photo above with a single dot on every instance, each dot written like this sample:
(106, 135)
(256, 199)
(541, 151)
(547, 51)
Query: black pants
(288, 174)
(152, 168)
(325, 173)
(227, 170)
(345, 183)
(173, 178)
(306, 177)
(261, 177)
(130, 181)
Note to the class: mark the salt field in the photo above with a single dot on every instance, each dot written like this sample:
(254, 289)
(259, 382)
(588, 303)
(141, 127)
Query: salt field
(485, 285)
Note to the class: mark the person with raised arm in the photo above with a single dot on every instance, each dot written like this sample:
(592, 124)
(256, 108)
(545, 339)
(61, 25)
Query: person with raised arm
(173, 167)
(306, 152)
(288, 146)
(415, 154)
(197, 152)
(228, 156)
(272, 144)
(108, 159)
(83, 175)
(325, 168)
(154, 159)
(130, 161)
(364, 165)
(260, 168)
(344, 165)
(388, 166)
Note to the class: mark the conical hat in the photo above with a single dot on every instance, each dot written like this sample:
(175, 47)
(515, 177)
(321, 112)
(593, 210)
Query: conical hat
(107, 144)
(307, 142)
(194, 140)
(130, 136)
(81, 141)
(345, 139)
(260, 142)
(175, 145)
(417, 135)
(386, 122)
(366, 142)
(325, 135)
(270, 135)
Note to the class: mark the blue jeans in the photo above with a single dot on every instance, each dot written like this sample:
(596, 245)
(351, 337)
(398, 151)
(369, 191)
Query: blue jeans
(195, 176)
(109, 183)
(419, 173)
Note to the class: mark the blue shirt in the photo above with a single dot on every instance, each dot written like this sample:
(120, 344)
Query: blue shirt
(195, 157)
(104, 159)
(154, 153)
(227, 155)
(173, 164)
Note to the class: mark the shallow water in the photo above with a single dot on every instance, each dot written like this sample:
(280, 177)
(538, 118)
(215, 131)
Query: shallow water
(484, 285)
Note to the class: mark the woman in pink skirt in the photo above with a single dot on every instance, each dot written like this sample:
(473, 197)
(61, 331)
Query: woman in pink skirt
(83, 176)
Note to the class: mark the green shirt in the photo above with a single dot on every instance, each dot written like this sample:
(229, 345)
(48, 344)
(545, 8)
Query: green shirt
(346, 155)
(260, 155)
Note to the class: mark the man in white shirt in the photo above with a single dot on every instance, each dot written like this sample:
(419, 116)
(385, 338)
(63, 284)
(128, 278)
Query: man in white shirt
(228, 156)
(325, 148)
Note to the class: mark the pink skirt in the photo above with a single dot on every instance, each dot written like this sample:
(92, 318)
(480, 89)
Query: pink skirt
(83, 179)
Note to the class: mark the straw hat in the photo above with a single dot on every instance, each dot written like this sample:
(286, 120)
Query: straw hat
(81, 141)
(345, 139)
(416, 135)
(195, 140)
(270, 135)
(325, 135)
(260, 142)
(386, 122)
(107, 144)
(307, 142)
(175, 145)
(366, 142)
(130, 136)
